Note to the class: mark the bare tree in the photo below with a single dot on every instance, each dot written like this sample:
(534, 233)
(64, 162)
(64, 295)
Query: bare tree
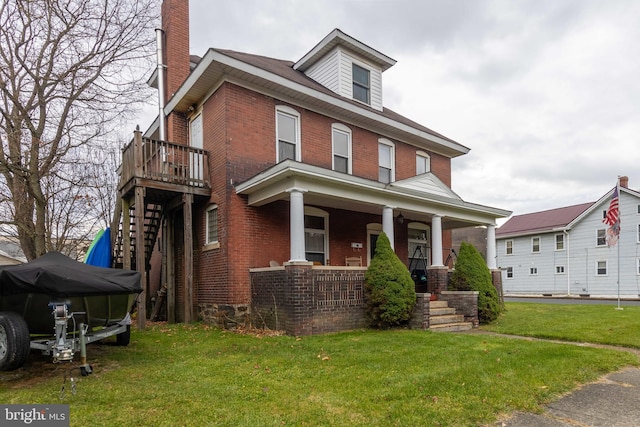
(70, 72)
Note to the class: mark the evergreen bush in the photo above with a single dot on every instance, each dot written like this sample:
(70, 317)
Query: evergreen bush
(389, 289)
(472, 274)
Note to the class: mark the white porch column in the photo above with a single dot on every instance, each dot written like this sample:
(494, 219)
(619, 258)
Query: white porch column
(491, 247)
(296, 224)
(387, 224)
(436, 241)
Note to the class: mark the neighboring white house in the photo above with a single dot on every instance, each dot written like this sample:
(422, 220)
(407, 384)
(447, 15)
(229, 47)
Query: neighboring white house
(564, 251)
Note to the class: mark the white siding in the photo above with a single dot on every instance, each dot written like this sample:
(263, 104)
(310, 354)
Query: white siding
(578, 257)
(334, 71)
(326, 71)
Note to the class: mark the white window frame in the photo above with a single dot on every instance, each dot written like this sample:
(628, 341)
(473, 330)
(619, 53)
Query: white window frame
(342, 129)
(638, 266)
(606, 267)
(423, 242)
(533, 271)
(560, 269)
(601, 240)
(392, 159)
(562, 240)
(211, 243)
(422, 158)
(311, 211)
(289, 112)
(534, 238)
(508, 248)
(509, 271)
(359, 84)
(638, 234)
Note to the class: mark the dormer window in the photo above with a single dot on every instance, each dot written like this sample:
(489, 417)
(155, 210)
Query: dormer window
(361, 84)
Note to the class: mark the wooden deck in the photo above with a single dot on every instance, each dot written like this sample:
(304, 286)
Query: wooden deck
(164, 167)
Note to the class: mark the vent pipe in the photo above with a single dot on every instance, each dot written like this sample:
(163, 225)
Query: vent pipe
(161, 83)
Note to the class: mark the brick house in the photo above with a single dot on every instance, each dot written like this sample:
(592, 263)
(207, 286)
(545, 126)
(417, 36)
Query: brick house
(263, 176)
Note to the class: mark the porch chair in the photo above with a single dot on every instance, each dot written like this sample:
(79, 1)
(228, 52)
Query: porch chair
(353, 261)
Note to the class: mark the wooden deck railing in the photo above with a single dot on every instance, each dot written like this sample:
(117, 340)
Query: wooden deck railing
(166, 162)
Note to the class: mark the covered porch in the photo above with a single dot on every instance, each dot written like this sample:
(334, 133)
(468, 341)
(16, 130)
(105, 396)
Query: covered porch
(317, 289)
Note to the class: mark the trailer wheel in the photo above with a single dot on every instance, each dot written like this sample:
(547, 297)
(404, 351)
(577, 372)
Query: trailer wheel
(124, 338)
(15, 343)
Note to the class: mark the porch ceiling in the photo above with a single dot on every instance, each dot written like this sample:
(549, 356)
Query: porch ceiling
(417, 199)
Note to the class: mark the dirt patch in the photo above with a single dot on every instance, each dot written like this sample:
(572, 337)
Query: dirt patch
(39, 367)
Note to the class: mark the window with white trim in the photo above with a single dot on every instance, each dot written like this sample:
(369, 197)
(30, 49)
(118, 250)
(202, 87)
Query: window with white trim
(418, 235)
(316, 235)
(287, 134)
(386, 161)
(533, 271)
(423, 163)
(508, 247)
(638, 233)
(535, 244)
(212, 224)
(509, 272)
(638, 266)
(361, 84)
(341, 137)
(601, 268)
(601, 237)
(559, 269)
(559, 242)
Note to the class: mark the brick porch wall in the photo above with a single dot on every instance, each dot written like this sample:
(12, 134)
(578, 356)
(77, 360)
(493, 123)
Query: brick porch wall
(302, 299)
(465, 302)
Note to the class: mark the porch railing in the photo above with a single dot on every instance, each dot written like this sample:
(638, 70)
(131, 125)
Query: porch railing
(166, 162)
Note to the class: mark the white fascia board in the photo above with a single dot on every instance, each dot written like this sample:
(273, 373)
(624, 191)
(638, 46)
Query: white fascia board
(359, 188)
(213, 56)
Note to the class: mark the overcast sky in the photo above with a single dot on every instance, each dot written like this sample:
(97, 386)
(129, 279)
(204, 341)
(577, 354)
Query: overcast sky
(546, 93)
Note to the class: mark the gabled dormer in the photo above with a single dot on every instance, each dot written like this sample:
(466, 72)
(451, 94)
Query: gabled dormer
(347, 67)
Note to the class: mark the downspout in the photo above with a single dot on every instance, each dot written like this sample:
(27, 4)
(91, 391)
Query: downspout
(566, 233)
(161, 95)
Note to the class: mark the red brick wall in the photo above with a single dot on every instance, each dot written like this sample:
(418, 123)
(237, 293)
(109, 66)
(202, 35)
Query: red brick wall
(239, 134)
(175, 23)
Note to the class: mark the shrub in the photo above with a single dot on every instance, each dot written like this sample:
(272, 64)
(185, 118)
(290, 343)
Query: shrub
(472, 274)
(389, 289)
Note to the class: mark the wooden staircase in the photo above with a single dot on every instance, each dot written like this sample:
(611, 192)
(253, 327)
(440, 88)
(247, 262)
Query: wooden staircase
(152, 222)
(443, 318)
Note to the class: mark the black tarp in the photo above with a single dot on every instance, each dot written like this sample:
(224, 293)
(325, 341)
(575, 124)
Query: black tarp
(58, 275)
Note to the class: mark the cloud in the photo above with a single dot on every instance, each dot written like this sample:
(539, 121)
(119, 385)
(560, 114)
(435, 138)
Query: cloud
(545, 94)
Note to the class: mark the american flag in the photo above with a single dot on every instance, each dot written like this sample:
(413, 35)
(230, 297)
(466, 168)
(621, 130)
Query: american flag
(612, 219)
(612, 215)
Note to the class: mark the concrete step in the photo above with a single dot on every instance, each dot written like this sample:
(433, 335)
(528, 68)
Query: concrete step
(441, 311)
(438, 304)
(451, 327)
(447, 318)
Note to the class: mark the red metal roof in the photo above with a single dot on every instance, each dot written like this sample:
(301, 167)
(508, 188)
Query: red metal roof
(542, 221)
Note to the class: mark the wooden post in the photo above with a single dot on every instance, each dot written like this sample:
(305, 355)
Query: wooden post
(126, 234)
(171, 276)
(140, 256)
(188, 258)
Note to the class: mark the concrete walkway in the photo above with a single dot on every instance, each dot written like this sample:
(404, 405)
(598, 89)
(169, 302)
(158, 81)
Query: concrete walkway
(613, 401)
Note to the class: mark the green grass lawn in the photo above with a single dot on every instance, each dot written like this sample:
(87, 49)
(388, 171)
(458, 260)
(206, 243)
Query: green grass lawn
(194, 375)
(598, 323)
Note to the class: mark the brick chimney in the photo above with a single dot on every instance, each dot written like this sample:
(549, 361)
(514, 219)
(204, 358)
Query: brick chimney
(175, 24)
(624, 181)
